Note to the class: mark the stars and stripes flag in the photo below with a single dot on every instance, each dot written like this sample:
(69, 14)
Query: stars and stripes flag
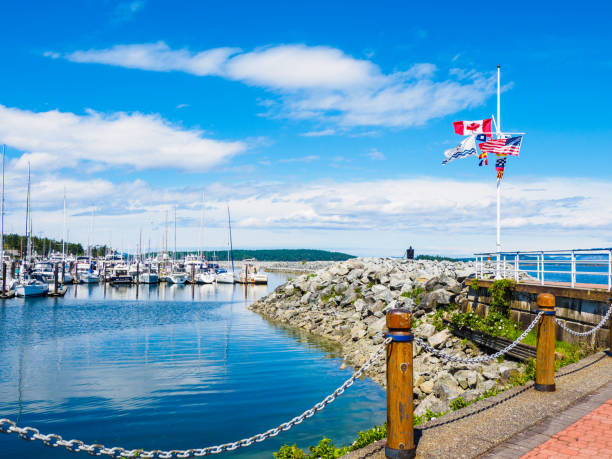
(473, 127)
(508, 146)
(463, 150)
(500, 165)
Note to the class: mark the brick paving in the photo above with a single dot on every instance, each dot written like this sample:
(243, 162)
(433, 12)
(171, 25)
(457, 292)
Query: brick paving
(589, 437)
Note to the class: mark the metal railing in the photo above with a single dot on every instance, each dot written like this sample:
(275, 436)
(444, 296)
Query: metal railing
(574, 266)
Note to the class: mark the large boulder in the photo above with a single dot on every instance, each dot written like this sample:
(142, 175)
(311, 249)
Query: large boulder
(440, 338)
(431, 403)
(436, 298)
(446, 387)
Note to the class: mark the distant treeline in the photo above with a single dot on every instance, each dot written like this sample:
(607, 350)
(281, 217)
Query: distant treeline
(437, 258)
(45, 246)
(277, 255)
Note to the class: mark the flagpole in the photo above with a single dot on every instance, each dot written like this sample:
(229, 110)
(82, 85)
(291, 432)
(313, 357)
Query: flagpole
(498, 126)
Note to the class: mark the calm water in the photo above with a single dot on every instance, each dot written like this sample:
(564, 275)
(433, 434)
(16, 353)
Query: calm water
(168, 367)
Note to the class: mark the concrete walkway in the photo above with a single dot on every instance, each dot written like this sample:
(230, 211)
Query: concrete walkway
(479, 429)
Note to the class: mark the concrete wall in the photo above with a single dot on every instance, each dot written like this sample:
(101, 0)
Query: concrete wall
(580, 312)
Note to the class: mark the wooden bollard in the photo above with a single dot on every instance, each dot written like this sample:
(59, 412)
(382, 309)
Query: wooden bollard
(400, 424)
(545, 352)
(55, 284)
(609, 351)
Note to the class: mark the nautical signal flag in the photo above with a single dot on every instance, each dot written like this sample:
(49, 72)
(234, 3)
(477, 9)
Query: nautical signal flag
(483, 158)
(500, 165)
(508, 146)
(463, 150)
(473, 127)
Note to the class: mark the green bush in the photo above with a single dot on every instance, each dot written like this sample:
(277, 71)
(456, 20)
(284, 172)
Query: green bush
(501, 292)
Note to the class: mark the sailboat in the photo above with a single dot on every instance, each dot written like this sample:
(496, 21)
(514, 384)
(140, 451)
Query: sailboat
(27, 285)
(227, 277)
(206, 275)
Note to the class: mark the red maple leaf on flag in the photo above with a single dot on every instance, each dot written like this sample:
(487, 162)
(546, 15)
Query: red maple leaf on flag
(473, 126)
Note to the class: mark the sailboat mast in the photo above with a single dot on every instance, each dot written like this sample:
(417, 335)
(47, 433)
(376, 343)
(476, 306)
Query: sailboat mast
(28, 221)
(64, 232)
(175, 233)
(201, 230)
(2, 210)
(229, 224)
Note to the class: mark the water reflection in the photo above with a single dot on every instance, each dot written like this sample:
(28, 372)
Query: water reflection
(168, 367)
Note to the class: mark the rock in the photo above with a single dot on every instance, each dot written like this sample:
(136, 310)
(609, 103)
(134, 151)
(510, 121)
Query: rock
(358, 332)
(431, 403)
(436, 298)
(446, 387)
(427, 387)
(505, 373)
(466, 378)
(439, 338)
(490, 372)
(396, 281)
(378, 325)
(306, 298)
(425, 330)
(359, 305)
(289, 289)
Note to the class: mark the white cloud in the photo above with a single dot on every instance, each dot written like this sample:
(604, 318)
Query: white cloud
(301, 159)
(446, 216)
(318, 82)
(56, 139)
(321, 133)
(159, 57)
(297, 67)
(375, 155)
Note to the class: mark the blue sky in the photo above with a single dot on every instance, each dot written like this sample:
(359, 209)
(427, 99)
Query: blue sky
(321, 124)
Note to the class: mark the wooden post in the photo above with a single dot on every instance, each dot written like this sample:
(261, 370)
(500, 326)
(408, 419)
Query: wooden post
(3, 277)
(609, 351)
(63, 272)
(400, 424)
(545, 352)
(138, 272)
(193, 274)
(55, 283)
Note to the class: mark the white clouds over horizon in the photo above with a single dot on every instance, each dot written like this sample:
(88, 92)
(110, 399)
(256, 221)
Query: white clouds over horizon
(315, 82)
(331, 214)
(54, 139)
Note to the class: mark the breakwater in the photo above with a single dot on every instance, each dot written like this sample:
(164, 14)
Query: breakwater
(346, 303)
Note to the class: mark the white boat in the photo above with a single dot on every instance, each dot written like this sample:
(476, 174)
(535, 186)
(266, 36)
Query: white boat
(31, 287)
(205, 278)
(225, 278)
(178, 278)
(88, 278)
(149, 278)
(251, 274)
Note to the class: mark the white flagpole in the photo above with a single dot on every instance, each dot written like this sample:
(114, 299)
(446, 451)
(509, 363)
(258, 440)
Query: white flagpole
(498, 132)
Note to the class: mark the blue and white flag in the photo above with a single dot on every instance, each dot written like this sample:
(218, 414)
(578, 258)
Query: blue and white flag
(463, 150)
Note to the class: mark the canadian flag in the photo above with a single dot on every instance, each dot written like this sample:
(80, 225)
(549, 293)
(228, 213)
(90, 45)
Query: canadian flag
(473, 127)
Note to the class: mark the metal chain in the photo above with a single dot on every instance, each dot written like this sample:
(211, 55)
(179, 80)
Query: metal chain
(29, 433)
(481, 359)
(590, 332)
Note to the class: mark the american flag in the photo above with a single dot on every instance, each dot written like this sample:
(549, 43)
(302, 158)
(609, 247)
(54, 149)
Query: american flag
(510, 146)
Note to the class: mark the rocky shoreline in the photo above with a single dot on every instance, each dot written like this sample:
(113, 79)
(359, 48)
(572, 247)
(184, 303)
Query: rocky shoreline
(346, 303)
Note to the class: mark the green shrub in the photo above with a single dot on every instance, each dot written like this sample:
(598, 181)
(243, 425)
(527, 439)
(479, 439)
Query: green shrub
(501, 292)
